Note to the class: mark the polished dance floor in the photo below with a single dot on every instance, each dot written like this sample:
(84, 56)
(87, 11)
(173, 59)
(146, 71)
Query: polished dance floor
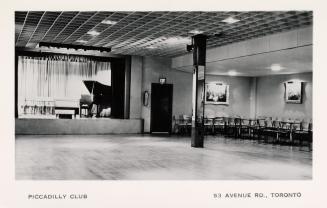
(137, 157)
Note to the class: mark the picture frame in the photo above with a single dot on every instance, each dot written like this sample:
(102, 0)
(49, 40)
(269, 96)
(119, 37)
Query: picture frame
(216, 93)
(293, 92)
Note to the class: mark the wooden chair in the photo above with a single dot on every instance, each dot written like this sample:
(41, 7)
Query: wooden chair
(285, 132)
(260, 128)
(219, 125)
(304, 134)
(253, 126)
(208, 125)
(230, 127)
(188, 123)
(182, 125)
(233, 126)
(268, 131)
(176, 125)
(245, 131)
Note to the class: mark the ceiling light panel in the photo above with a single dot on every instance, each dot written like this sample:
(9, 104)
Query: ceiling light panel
(108, 22)
(230, 20)
(195, 32)
(232, 73)
(81, 41)
(276, 67)
(93, 33)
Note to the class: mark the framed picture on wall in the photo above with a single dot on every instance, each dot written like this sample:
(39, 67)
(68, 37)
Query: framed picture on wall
(293, 92)
(216, 93)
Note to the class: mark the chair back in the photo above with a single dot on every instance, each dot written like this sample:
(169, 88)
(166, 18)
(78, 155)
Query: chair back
(245, 122)
(305, 125)
(261, 123)
(182, 121)
(175, 120)
(225, 119)
(296, 126)
(231, 121)
(254, 123)
(208, 121)
(310, 126)
(85, 99)
(187, 119)
(218, 121)
(269, 123)
(276, 124)
(285, 125)
(238, 121)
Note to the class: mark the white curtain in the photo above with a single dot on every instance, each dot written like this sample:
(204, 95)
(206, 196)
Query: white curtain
(57, 77)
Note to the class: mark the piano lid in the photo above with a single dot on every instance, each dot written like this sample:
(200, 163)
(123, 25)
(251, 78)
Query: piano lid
(97, 88)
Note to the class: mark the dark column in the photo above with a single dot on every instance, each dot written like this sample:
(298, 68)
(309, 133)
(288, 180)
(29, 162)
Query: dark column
(127, 87)
(199, 60)
(118, 88)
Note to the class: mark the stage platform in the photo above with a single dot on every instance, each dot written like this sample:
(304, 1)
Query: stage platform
(78, 126)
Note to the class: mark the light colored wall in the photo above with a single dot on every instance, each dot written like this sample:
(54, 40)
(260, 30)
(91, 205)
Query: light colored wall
(77, 126)
(153, 68)
(278, 41)
(271, 96)
(239, 94)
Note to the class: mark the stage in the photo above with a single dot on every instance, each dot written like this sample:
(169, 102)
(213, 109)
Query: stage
(78, 126)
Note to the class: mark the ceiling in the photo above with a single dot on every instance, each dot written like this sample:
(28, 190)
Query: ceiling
(147, 33)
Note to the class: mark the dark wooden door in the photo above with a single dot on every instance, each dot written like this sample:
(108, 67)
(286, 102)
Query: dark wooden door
(161, 108)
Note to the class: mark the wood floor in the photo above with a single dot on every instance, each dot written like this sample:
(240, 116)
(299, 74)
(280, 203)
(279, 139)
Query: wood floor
(137, 157)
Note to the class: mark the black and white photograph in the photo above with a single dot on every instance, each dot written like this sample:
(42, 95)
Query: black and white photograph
(177, 106)
(81, 75)
(107, 95)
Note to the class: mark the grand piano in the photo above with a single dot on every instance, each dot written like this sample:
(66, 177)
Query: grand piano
(102, 95)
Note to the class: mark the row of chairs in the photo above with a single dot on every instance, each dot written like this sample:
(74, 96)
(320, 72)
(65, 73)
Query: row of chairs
(266, 129)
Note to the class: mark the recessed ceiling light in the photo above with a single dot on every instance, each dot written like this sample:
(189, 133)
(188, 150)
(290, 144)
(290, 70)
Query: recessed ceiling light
(195, 32)
(93, 33)
(177, 40)
(109, 22)
(151, 47)
(230, 20)
(276, 67)
(232, 73)
(82, 41)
